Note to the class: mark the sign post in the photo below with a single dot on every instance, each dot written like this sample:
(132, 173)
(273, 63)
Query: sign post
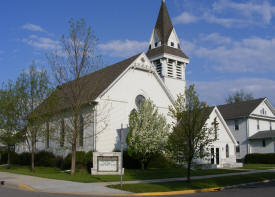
(121, 150)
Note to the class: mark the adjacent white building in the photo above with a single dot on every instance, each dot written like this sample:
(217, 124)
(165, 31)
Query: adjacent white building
(252, 124)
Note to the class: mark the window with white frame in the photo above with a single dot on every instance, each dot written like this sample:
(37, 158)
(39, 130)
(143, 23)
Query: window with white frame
(258, 124)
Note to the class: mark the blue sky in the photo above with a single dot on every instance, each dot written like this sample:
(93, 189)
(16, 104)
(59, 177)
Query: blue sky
(231, 44)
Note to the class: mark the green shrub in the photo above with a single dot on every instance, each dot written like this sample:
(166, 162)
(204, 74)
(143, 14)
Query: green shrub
(130, 162)
(3, 156)
(267, 158)
(45, 158)
(160, 161)
(89, 160)
(23, 159)
(80, 160)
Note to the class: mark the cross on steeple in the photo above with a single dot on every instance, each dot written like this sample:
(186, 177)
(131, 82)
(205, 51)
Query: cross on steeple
(215, 124)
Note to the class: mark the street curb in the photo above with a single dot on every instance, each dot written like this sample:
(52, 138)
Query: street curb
(214, 189)
(25, 187)
(29, 188)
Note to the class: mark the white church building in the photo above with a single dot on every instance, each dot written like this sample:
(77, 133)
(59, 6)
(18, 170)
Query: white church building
(159, 75)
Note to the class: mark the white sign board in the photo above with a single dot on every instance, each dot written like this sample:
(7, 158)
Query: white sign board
(107, 166)
(107, 163)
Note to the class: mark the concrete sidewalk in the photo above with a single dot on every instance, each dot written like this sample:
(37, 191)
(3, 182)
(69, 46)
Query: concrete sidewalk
(59, 186)
(55, 186)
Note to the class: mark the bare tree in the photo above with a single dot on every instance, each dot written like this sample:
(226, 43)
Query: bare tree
(71, 62)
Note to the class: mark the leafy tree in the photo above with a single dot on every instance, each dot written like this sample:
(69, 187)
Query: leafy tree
(148, 132)
(10, 128)
(33, 87)
(191, 137)
(239, 96)
(71, 62)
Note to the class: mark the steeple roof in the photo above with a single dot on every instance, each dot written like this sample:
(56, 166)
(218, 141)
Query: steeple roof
(164, 26)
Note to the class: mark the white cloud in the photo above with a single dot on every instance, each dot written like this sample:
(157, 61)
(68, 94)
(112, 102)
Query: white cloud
(186, 18)
(216, 38)
(248, 55)
(248, 9)
(226, 22)
(215, 92)
(221, 12)
(119, 48)
(32, 27)
(41, 42)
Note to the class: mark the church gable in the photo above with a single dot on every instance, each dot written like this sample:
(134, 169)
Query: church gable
(219, 125)
(139, 78)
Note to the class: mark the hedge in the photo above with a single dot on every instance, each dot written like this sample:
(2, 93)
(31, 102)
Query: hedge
(265, 158)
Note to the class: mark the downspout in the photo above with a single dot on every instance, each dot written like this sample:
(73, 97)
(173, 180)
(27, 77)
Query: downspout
(247, 135)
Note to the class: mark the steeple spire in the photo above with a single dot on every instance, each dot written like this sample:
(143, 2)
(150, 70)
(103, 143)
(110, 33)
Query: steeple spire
(163, 26)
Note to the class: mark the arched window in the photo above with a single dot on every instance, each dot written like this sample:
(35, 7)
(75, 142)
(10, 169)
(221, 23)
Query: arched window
(62, 133)
(227, 150)
(139, 99)
(81, 130)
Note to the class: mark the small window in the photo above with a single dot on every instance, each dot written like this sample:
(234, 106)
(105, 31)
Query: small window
(258, 124)
(150, 47)
(172, 44)
(238, 147)
(263, 143)
(236, 125)
(156, 44)
(263, 111)
(227, 150)
(81, 131)
(47, 135)
(62, 133)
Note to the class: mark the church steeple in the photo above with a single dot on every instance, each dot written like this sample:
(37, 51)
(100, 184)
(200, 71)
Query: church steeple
(163, 26)
(165, 53)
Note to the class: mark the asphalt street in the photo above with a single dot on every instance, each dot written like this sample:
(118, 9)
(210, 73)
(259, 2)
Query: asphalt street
(263, 189)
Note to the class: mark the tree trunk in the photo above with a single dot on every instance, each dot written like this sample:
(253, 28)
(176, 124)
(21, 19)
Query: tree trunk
(33, 147)
(188, 171)
(9, 159)
(142, 166)
(73, 158)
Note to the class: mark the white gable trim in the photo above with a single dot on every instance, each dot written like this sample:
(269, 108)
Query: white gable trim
(268, 104)
(216, 110)
(135, 65)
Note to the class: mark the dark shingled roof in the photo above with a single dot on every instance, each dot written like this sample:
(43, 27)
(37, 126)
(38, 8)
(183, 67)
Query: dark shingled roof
(263, 135)
(166, 49)
(164, 25)
(240, 109)
(93, 85)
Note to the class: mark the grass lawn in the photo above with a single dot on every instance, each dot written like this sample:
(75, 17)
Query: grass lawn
(259, 166)
(196, 184)
(56, 173)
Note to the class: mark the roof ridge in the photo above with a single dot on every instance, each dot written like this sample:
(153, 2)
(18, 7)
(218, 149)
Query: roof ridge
(242, 102)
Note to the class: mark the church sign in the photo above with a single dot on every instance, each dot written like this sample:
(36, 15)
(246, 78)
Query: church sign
(106, 163)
